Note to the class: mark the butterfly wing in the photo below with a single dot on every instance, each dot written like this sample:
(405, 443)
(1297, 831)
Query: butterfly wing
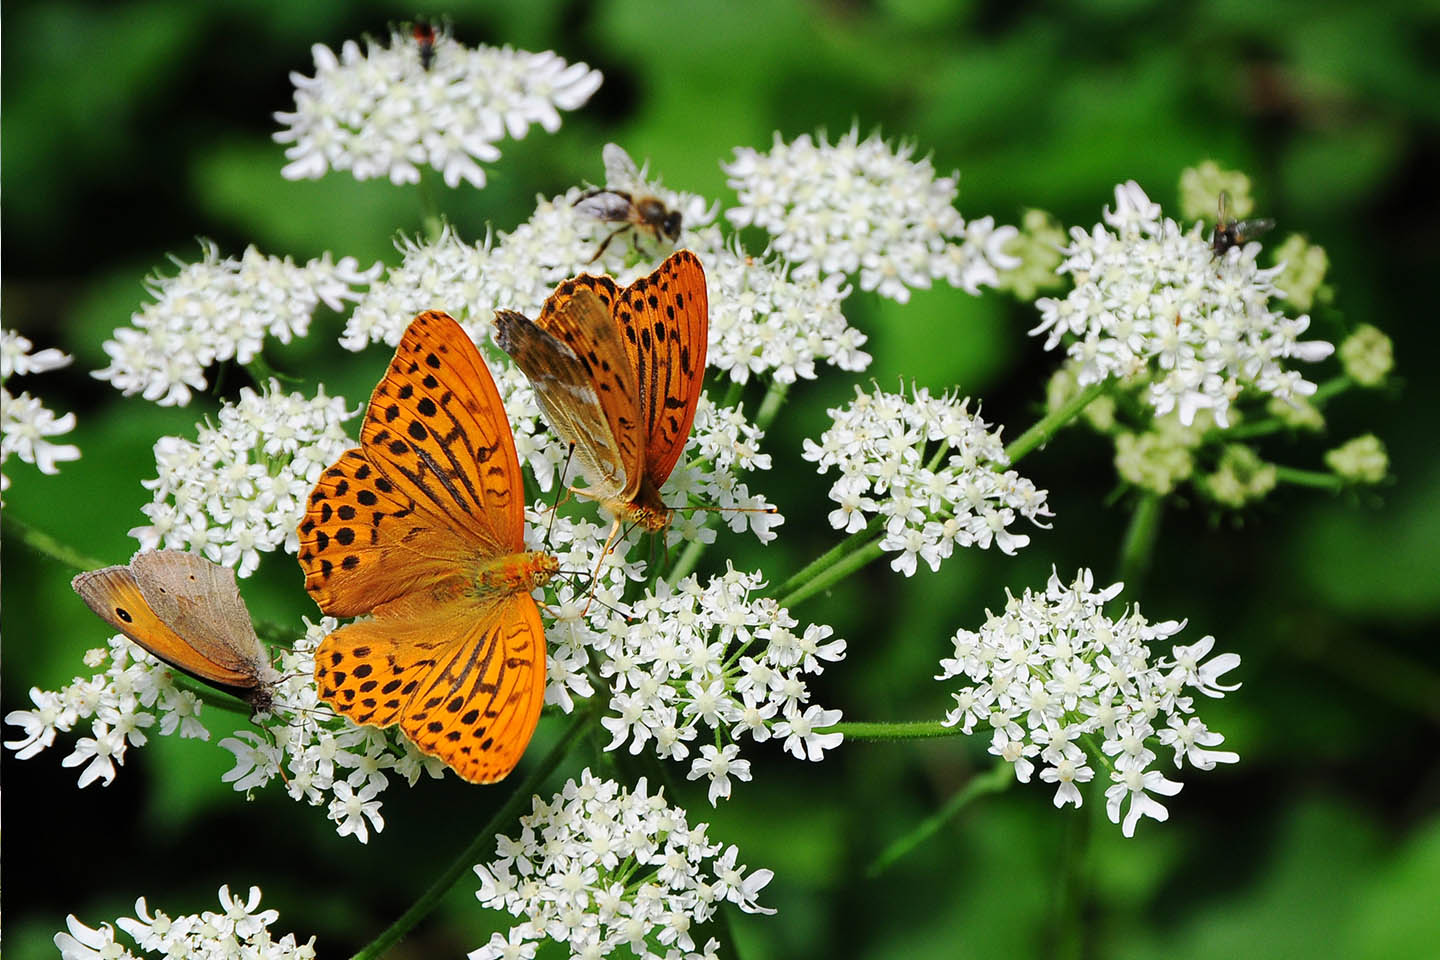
(115, 596)
(436, 484)
(200, 601)
(437, 430)
(464, 679)
(664, 321)
(576, 361)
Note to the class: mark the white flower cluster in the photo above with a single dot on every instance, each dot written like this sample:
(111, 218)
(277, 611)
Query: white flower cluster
(239, 930)
(133, 694)
(866, 208)
(1151, 297)
(764, 322)
(714, 657)
(331, 762)
(239, 489)
(600, 868)
(931, 499)
(1052, 673)
(25, 423)
(218, 310)
(382, 112)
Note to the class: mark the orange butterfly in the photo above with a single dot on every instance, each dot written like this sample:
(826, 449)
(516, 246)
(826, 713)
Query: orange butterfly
(188, 612)
(424, 526)
(618, 374)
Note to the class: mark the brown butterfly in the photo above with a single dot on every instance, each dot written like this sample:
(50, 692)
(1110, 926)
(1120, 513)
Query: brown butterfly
(619, 374)
(423, 526)
(188, 612)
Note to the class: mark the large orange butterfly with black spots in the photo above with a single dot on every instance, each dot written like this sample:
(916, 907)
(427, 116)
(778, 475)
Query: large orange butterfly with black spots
(423, 526)
(618, 373)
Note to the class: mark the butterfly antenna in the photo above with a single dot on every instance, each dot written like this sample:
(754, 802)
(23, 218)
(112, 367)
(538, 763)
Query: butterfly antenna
(560, 490)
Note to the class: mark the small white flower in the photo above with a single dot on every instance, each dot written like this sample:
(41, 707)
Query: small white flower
(351, 809)
(802, 731)
(719, 766)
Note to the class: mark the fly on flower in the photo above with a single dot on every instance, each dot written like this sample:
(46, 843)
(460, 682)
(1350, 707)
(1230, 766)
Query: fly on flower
(632, 209)
(1235, 233)
(424, 33)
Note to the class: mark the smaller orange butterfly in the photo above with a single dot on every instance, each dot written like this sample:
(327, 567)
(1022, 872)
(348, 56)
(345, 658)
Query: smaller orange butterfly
(619, 374)
(423, 526)
(188, 612)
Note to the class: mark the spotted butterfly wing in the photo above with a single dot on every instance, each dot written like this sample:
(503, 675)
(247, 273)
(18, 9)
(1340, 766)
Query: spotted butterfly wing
(188, 612)
(665, 324)
(657, 329)
(423, 526)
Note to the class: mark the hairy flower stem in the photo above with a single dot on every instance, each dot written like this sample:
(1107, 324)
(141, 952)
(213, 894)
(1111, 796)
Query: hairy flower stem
(994, 780)
(902, 730)
(46, 545)
(1139, 546)
(839, 571)
(1066, 935)
(689, 557)
(830, 557)
(484, 840)
(1052, 422)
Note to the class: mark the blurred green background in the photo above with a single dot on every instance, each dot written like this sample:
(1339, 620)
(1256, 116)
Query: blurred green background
(131, 128)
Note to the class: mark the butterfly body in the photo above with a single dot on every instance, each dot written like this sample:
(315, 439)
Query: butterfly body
(423, 527)
(188, 612)
(618, 373)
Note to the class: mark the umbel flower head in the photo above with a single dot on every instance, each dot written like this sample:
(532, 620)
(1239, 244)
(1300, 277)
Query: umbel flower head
(239, 488)
(221, 309)
(240, 929)
(26, 425)
(600, 868)
(865, 207)
(1051, 674)
(1152, 298)
(930, 469)
(382, 111)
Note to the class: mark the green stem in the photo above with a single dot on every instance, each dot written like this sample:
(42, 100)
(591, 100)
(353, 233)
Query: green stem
(880, 732)
(1051, 423)
(261, 373)
(430, 220)
(1067, 932)
(1331, 387)
(834, 574)
(732, 393)
(830, 557)
(770, 405)
(1308, 478)
(46, 545)
(482, 842)
(994, 780)
(1139, 546)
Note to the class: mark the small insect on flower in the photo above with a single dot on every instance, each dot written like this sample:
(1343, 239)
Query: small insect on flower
(631, 209)
(1235, 233)
(424, 33)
